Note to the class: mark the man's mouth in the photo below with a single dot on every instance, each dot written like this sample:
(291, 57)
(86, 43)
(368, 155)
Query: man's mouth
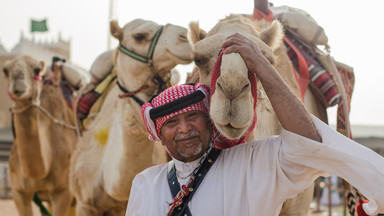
(186, 139)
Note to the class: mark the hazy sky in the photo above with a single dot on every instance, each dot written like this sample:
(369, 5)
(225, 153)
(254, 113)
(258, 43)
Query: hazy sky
(354, 29)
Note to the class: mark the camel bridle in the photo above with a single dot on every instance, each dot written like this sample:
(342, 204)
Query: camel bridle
(17, 110)
(147, 60)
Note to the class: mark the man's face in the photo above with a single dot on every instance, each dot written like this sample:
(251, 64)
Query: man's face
(187, 135)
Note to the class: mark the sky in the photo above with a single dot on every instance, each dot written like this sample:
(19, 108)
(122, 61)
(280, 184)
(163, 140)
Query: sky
(354, 29)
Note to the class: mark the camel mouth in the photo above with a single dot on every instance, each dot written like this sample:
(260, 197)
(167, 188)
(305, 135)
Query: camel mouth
(230, 124)
(17, 94)
(231, 132)
(180, 58)
(183, 59)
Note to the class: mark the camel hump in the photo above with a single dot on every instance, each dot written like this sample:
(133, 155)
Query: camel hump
(76, 76)
(302, 24)
(102, 66)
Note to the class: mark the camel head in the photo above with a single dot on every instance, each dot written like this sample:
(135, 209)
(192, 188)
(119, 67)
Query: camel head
(172, 48)
(231, 106)
(24, 76)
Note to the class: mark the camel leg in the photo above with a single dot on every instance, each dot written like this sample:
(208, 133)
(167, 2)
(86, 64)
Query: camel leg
(23, 202)
(83, 210)
(72, 210)
(298, 205)
(61, 202)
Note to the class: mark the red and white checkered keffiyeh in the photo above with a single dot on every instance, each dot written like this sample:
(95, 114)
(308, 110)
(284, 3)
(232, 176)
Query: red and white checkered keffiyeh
(167, 96)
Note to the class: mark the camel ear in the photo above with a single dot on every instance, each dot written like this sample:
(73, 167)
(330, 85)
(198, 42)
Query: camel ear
(5, 71)
(5, 68)
(115, 30)
(196, 33)
(273, 35)
(267, 50)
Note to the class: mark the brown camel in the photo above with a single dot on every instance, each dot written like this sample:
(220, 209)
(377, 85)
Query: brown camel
(44, 138)
(115, 147)
(231, 107)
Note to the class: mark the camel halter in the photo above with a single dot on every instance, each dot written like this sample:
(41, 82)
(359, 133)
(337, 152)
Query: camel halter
(132, 93)
(16, 110)
(252, 78)
(145, 59)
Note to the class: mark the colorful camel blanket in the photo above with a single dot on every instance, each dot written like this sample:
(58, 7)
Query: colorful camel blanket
(92, 98)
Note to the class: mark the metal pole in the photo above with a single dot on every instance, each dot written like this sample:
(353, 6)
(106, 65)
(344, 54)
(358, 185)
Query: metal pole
(329, 196)
(111, 16)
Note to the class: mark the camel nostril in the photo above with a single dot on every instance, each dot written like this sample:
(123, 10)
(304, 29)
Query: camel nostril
(17, 92)
(229, 126)
(219, 87)
(245, 88)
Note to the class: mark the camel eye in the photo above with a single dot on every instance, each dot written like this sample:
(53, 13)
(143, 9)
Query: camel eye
(5, 70)
(199, 61)
(140, 37)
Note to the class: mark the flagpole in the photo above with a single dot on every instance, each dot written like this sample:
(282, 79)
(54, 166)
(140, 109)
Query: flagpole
(111, 16)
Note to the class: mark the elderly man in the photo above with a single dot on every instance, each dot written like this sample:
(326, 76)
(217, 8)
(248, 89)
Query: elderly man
(254, 178)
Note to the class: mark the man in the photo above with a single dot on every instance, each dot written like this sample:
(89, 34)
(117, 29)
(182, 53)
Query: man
(254, 178)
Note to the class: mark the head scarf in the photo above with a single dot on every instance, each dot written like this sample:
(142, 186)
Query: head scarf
(173, 101)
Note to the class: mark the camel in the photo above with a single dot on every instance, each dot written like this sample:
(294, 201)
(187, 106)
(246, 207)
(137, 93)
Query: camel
(44, 138)
(231, 107)
(115, 147)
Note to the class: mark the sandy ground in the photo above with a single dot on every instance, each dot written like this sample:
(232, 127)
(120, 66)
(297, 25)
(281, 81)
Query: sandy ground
(8, 208)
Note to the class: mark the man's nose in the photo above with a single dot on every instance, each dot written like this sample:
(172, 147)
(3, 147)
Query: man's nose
(184, 126)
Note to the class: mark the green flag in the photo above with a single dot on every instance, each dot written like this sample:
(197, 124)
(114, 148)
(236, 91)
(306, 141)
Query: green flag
(39, 26)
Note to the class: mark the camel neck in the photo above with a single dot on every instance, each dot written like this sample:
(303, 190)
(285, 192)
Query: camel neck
(30, 145)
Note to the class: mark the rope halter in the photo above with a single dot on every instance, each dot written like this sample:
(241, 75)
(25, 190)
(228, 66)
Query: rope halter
(226, 142)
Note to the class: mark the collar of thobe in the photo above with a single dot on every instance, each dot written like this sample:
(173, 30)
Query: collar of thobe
(185, 169)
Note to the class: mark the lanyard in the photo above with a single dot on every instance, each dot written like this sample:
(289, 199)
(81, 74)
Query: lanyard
(183, 195)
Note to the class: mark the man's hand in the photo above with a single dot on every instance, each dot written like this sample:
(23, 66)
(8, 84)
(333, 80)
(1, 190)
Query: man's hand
(252, 55)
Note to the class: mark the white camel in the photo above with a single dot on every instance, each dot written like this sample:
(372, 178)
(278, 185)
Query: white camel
(116, 147)
(231, 107)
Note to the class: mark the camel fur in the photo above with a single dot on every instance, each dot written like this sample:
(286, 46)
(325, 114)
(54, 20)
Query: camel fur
(116, 146)
(41, 151)
(231, 107)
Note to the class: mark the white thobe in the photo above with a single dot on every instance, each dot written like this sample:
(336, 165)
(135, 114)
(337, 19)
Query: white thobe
(255, 178)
